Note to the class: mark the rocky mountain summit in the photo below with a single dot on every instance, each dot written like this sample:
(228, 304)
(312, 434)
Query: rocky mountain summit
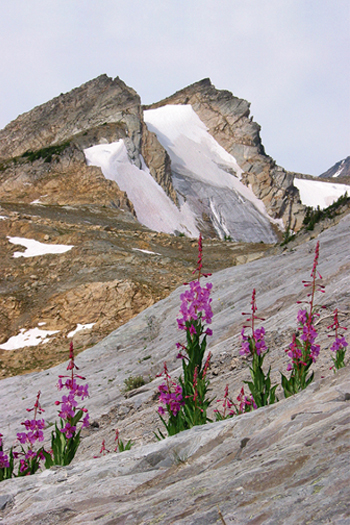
(44, 146)
(285, 463)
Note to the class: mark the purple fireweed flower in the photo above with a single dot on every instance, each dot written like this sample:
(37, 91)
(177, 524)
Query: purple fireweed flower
(68, 403)
(258, 336)
(339, 344)
(245, 348)
(294, 353)
(170, 394)
(340, 341)
(302, 317)
(33, 426)
(68, 430)
(22, 437)
(195, 303)
(245, 402)
(23, 465)
(85, 422)
(4, 460)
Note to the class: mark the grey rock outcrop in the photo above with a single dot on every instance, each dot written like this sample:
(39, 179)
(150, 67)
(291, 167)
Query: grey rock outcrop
(102, 110)
(158, 161)
(286, 463)
(229, 122)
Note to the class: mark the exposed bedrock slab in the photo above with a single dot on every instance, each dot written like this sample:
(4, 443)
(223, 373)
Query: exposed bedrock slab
(287, 463)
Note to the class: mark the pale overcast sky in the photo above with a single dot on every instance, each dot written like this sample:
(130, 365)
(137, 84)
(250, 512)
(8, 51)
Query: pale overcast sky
(289, 58)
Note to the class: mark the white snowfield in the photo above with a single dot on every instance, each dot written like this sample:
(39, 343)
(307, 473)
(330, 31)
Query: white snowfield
(318, 193)
(205, 177)
(199, 163)
(153, 207)
(186, 139)
(31, 337)
(36, 248)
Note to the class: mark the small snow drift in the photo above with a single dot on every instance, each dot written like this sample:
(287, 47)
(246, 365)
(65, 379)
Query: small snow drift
(31, 337)
(79, 328)
(36, 248)
(318, 193)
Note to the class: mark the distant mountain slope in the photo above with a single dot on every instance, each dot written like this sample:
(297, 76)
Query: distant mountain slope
(340, 169)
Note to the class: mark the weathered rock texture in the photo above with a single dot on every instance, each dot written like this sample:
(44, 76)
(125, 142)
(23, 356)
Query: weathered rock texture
(287, 463)
(65, 180)
(102, 110)
(227, 118)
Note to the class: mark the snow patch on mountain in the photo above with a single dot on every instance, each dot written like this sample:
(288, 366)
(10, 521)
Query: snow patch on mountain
(207, 177)
(31, 337)
(340, 170)
(318, 193)
(36, 248)
(153, 207)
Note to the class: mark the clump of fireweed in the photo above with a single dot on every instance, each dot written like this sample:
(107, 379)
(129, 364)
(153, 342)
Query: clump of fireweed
(303, 351)
(254, 346)
(339, 345)
(65, 438)
(29, 458)
(230, 408)
(185, 402)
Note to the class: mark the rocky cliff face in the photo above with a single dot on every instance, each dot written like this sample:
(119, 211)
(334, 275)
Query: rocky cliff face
(229, 122)
(100, 111)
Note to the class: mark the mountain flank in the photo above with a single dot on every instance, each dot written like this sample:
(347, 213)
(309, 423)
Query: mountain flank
(229, 122)
(118, 266)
